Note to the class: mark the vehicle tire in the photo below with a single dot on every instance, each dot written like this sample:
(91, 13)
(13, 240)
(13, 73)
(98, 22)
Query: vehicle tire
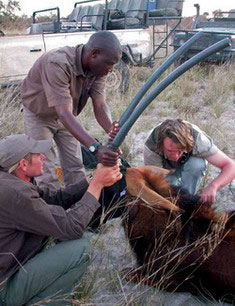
(118, 79)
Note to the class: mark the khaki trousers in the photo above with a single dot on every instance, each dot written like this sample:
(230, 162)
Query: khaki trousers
(68, 150)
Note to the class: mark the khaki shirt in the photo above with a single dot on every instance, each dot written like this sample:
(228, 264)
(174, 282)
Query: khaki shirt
(57, 78)
(29, 214)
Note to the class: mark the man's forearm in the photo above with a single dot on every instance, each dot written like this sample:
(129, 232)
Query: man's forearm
(104, 154)
(95, 189)
(64, 197)
(103, 116)
(225, 177)
(72, 125)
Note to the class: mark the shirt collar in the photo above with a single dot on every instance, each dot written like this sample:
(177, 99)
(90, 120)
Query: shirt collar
(6, 175)
(79, 68)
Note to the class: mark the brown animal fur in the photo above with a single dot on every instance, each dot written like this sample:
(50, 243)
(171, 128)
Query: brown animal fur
(178, 251)
(175, 250)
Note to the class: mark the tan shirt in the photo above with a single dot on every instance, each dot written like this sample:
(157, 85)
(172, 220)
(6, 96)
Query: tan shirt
(58, 78)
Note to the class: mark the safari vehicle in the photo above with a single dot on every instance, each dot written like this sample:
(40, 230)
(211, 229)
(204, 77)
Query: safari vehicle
(217, 28)
(142, 27)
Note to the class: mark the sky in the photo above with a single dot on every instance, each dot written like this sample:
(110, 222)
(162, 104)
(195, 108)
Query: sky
(66, 6)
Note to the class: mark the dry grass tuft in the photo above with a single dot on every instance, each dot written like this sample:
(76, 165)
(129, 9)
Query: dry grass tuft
(220, 85)
(10, 112)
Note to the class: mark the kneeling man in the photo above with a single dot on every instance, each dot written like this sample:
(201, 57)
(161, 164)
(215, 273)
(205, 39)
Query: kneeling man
(182, 147)
(29, 215)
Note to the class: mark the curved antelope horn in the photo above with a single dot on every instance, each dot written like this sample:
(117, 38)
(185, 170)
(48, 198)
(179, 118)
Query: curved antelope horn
(137, 185)
(161, 69)
(114, 144)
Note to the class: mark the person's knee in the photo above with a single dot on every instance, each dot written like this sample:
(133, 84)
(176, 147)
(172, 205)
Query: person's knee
(80, 247)
(73, 253)
(85, 244)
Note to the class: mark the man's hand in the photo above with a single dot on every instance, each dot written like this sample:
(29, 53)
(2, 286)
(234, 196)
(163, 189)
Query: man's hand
(227, 174)
(115, 128)
(209, 195)
(103, 177)
(107, 157)
(106, 176)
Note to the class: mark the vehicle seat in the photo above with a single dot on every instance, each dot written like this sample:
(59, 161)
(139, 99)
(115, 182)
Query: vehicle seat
(136, 9)
(97, 19)
(82, 16)
(129, 13)
(113, 5)
(73, 17)
(167, 8)
(85, 18)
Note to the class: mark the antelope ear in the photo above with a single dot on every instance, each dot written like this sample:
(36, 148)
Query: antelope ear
(137, 186)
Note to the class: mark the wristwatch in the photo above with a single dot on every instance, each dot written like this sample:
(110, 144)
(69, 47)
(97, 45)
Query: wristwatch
(94, 147)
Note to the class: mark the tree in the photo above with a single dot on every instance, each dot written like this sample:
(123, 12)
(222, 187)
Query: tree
(8, 9)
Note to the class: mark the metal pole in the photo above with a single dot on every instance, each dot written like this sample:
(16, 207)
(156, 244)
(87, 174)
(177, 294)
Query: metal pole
(105, 15)
(161, 86)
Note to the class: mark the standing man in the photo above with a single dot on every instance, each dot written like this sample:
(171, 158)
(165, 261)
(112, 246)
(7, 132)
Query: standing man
(181, 146)
(56, 90)
(29, 215)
